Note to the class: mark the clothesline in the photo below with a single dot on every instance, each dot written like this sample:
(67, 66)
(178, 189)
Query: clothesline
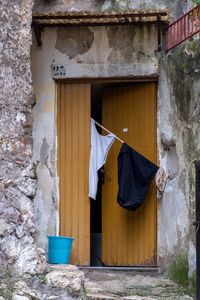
(98, 124)
(132, 190)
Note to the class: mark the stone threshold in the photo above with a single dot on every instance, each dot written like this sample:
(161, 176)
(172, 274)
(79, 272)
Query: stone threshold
(135, 269)
(101, 268)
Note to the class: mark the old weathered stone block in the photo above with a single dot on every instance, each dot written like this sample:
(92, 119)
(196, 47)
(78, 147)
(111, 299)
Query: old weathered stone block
(69, 277)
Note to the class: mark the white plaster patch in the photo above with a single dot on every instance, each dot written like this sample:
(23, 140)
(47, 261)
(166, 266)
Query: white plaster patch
(164, 108)
(20, 117)
(191, 259)
(174, 219)
(44, 125)
(44, 207)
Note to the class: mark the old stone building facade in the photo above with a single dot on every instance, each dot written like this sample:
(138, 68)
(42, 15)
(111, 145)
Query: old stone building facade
(29, 142)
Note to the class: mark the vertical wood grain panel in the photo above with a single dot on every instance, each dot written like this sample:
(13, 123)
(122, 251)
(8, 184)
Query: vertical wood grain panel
(129, 238)
(73, 123)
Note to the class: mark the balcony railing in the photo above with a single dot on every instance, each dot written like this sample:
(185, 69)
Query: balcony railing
(183, 28)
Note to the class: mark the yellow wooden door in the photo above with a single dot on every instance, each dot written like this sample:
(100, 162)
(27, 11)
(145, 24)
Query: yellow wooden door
(129, 238)
(73, 124)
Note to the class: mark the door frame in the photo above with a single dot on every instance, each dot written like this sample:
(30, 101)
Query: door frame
(138, 79)
(135, 79)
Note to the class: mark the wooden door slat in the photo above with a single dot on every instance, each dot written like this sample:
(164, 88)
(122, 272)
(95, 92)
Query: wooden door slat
(73, 129)
(129, 238)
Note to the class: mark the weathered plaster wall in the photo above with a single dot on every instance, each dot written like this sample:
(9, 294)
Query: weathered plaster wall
(104, 51)
(179, 144)
(83, 52)
(124, 51)
(175, 7)
(45, 204)
(18, 181)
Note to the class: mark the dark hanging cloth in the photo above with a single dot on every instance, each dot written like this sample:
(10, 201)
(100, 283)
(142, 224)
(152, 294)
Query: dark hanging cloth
(135, 174)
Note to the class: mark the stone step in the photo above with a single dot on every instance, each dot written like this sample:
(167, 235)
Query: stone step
(100, 297)
(127, 286)
(108, 297)
(148, 271)
(137, 298)
(118, 269)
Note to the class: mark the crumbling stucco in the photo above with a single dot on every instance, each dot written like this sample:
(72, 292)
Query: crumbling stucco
(124, 51)
(89, 52)
(45, 201)
(73, 42)
(178, 111)
(108, 52)
(179, 114)
(121, 52)
(114, 51)
(18, 180)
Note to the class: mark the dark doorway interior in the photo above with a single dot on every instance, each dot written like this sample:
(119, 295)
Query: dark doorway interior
(96, 205)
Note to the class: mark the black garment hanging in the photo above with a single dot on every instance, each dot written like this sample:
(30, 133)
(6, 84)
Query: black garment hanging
(135, 174)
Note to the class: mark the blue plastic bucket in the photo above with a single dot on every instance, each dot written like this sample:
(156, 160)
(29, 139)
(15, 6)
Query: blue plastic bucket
(59, 248)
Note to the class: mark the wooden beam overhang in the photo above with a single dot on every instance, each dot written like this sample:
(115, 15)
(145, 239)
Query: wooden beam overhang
(69, 19)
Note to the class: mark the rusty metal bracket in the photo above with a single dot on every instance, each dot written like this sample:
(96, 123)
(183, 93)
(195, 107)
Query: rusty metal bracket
(38, 33)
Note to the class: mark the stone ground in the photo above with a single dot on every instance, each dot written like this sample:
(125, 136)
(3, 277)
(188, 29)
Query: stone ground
(67, 282)
(130, 285)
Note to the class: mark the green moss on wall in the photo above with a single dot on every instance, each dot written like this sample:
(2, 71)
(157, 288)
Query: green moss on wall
(184, 71)
(178, 270)
(179, 273)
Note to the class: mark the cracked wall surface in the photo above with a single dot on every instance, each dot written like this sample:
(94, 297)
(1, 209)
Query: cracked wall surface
(72, 42)
(28, 150)
(123, 51)
(18, 180)
(89, 52)
(179, 115)
(21, 174)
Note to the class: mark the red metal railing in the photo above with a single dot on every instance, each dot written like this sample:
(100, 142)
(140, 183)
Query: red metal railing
(183, 28)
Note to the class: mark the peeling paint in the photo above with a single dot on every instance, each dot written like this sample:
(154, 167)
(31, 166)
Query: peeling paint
(122, 50)
(85, 52)
(74, 41)
(44, 151)
(181, 116)
(125, 51)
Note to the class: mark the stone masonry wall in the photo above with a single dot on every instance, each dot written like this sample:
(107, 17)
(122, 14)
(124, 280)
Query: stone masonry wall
(18, 181)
